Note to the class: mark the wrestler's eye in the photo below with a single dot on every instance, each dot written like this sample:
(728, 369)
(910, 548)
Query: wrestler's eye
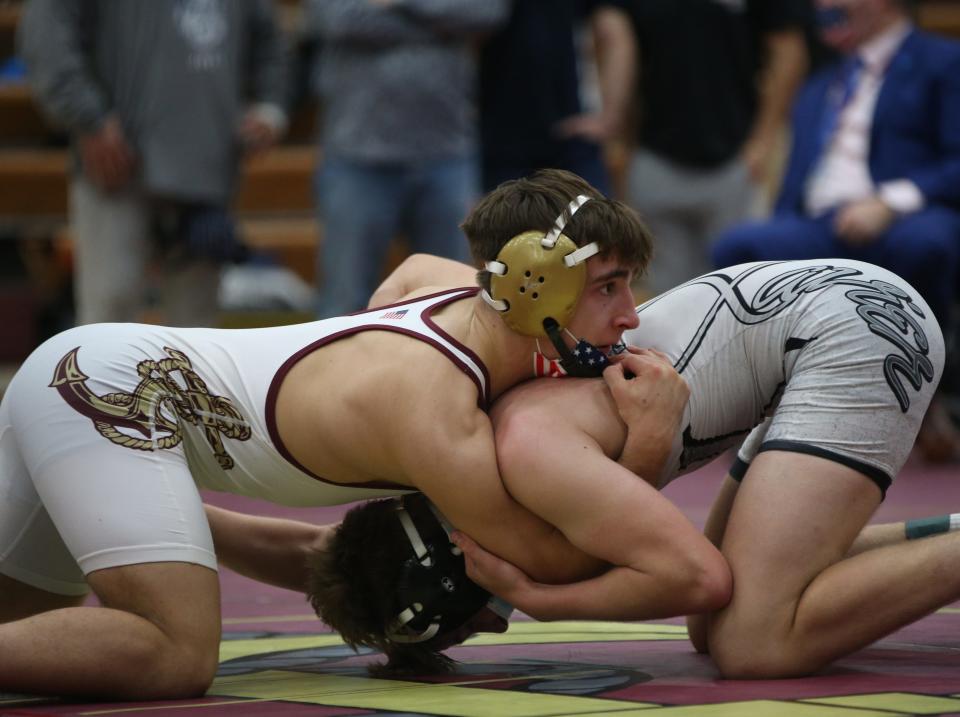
(608, 289)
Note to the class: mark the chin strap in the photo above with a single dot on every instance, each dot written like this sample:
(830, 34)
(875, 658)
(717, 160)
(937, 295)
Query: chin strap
(396, 631)
(572, 364)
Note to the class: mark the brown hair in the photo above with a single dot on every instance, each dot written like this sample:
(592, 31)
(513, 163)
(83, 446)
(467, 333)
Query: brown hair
(535, 202)
(352, 586)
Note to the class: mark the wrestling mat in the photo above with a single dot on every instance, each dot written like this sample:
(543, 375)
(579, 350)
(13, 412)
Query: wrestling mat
(277, 659)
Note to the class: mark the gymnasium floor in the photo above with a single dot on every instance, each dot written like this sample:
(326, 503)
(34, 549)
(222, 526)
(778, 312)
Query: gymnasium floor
(276, 659)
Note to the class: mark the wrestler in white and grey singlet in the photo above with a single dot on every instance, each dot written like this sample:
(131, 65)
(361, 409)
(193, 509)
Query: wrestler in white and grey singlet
(830, 357)
(107, 430)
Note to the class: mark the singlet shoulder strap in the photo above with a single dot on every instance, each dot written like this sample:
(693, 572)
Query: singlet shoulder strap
(414, 317)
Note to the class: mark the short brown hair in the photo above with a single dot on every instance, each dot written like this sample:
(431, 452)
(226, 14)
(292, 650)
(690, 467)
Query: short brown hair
(535, 202)
(352, 583)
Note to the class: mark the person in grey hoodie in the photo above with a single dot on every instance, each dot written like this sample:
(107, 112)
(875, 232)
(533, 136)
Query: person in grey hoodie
(162, 100)
(397, 80)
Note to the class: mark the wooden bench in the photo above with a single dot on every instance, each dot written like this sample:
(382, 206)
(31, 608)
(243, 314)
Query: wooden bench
(941, 16)
(21, 122)
(292, 240)
(274, 203)
(33, 182)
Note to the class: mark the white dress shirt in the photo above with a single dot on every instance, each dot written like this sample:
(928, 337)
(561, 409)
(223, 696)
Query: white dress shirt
(842, 174)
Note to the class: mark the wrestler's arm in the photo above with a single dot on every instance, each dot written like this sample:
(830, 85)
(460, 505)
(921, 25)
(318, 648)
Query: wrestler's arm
(449, 454)
(650, 397)
(554, 445)
(418, 271)
(270, 550)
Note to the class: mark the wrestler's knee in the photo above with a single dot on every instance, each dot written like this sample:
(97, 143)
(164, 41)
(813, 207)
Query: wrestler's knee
(175, 652)
(184, 665)
(748, 654)
(183, 669)
(154, 665)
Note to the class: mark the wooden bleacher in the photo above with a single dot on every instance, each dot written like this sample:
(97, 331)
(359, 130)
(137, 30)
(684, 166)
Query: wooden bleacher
(33, 182)
(942, 16)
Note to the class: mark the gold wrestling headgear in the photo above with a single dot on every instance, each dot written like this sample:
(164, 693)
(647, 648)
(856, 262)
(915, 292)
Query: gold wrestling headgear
(539, 276)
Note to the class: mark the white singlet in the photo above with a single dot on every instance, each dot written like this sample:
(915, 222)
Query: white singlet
(107, 430)
(831, 357)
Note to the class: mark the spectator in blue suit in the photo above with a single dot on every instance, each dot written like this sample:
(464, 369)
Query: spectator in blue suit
(874, 170)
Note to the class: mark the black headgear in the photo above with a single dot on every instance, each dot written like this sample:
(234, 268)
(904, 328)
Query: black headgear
(434, 595)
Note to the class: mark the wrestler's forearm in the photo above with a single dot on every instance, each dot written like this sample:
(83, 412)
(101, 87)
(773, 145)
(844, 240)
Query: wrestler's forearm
(620, 594)
(716, 526)
(269, 550)
(650, 397)
(647, 446)
(646, 458)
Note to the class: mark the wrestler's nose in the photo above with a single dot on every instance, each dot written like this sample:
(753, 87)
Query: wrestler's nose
(626, 315)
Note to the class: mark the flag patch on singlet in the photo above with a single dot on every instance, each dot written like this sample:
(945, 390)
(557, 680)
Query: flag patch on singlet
(398, 314)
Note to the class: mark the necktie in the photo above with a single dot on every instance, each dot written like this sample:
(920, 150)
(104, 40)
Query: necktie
(838, 97)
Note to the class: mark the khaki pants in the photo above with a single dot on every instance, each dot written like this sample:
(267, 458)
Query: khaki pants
(117, 270)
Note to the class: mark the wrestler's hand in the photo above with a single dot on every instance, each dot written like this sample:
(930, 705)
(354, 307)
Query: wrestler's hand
(493, 574)
(861, 222)
(643, 381)
(651, 404)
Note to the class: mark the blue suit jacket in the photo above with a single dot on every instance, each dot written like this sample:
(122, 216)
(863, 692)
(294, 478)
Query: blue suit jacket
(916, 124)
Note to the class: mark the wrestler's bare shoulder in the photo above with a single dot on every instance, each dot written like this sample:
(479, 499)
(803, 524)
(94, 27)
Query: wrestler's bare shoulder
(348, 410)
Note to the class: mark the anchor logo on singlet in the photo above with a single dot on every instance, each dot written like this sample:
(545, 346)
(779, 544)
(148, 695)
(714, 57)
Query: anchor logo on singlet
(169, 392)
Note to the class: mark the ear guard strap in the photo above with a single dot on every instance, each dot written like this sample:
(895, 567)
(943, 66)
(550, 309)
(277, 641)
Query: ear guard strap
(550, 240)
(497, 304)
(413, 535)
(397, 634)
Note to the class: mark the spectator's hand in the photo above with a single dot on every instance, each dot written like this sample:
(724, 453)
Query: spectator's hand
(493, 574)
(861, 222)
(651, 404)
(258, 133)
(596, 127)
(108, 161)
(756, 154)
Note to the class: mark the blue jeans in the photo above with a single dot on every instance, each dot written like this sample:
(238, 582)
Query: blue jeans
(363, 206)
